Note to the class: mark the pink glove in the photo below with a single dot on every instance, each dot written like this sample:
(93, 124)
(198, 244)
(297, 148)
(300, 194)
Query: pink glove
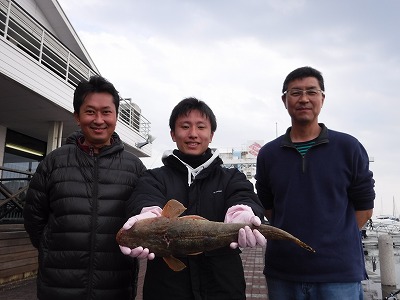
(246, 237)
(140, 252)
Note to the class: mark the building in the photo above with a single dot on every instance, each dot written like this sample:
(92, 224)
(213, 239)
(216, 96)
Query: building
(243, 159)
(41, 61)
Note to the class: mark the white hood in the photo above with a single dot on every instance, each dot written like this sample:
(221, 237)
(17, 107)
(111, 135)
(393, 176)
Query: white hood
(192, 173)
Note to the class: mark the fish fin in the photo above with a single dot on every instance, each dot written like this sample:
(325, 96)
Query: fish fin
(197, 253)
(173, 209)
(195, 217)
(174, 263)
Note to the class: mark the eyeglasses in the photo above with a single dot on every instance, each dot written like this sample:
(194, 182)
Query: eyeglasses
(296, 93)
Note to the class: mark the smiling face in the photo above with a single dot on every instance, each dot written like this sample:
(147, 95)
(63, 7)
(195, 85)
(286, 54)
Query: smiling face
(97, 118)
(192, 133)
(304, 109)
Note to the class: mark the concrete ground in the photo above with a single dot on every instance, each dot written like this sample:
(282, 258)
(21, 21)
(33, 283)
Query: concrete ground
(253, 262)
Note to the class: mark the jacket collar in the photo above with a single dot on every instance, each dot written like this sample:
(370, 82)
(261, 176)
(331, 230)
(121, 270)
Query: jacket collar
(77, 138)
(322, 138)
(170, 159)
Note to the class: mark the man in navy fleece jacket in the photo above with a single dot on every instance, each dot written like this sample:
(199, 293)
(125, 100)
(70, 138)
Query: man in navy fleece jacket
(316, 184)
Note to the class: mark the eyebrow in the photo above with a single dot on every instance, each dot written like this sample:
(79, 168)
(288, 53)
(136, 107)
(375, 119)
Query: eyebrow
(307, 88)
(103, 107)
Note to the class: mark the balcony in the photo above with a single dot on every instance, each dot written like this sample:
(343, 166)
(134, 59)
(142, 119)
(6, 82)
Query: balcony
(23, 32)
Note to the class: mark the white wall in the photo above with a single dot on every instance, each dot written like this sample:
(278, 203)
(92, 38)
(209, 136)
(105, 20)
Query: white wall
(25, 70)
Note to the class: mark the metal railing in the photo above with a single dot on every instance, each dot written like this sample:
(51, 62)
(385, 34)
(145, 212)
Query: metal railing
(132, 117)
(20, 29)
(384, 227)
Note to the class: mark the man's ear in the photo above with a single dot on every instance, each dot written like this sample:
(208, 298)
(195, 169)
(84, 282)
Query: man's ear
(284, 100)
(172, 133)
(76, 116)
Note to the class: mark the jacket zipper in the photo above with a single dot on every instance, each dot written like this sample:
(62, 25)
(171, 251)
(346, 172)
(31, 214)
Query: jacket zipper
(94, 225)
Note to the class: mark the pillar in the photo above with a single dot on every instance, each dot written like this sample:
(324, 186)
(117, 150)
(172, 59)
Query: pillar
(54, 136)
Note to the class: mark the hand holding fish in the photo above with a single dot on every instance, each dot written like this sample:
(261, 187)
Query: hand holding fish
(170, 235)
(140, 252)
(249, 238)
(246, 236)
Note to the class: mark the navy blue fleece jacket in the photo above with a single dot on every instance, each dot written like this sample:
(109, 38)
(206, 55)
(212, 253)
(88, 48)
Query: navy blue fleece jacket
(315, 198)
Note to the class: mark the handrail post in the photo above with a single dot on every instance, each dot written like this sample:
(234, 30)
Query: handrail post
(7, 19)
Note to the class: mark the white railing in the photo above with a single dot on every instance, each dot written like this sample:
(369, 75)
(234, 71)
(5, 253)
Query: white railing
(20, 29)
(129, 115)
(393, 228)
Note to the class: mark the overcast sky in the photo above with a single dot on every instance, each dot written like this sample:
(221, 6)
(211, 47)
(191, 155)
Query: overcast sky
(235, 54)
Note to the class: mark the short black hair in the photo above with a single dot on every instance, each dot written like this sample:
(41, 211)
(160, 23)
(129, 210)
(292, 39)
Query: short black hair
(96, 84)
(185, 106)
(301, 73)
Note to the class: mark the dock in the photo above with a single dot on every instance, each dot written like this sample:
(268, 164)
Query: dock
(253, 264)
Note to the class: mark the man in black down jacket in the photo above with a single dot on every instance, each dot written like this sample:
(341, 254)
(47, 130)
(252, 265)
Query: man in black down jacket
(193, 175)
(76, 203)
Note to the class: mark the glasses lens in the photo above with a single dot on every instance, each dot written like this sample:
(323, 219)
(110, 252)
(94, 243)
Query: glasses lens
(312, 92)
(295, 93)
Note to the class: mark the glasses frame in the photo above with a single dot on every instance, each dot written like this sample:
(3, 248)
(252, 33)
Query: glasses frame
(287, 92)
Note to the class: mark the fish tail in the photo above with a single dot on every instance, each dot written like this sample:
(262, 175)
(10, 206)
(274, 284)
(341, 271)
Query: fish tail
(304, 245)
(274, 233)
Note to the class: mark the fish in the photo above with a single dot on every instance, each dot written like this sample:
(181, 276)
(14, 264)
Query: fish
(169, 235)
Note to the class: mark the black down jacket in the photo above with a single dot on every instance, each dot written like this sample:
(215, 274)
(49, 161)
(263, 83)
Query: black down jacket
(74, 207)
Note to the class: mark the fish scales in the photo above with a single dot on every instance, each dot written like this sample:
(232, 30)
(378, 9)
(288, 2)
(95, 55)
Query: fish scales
(186, 235)
(170, 235)
(164, 236)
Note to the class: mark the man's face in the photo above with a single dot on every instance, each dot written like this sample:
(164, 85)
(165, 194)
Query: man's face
(303, 107)
(192, 133)
(97, 118)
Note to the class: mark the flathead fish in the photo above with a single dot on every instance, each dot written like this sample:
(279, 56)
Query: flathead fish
(170, 235)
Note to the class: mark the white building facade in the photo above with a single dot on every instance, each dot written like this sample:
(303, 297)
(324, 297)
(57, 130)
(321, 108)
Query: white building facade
(243, 159)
